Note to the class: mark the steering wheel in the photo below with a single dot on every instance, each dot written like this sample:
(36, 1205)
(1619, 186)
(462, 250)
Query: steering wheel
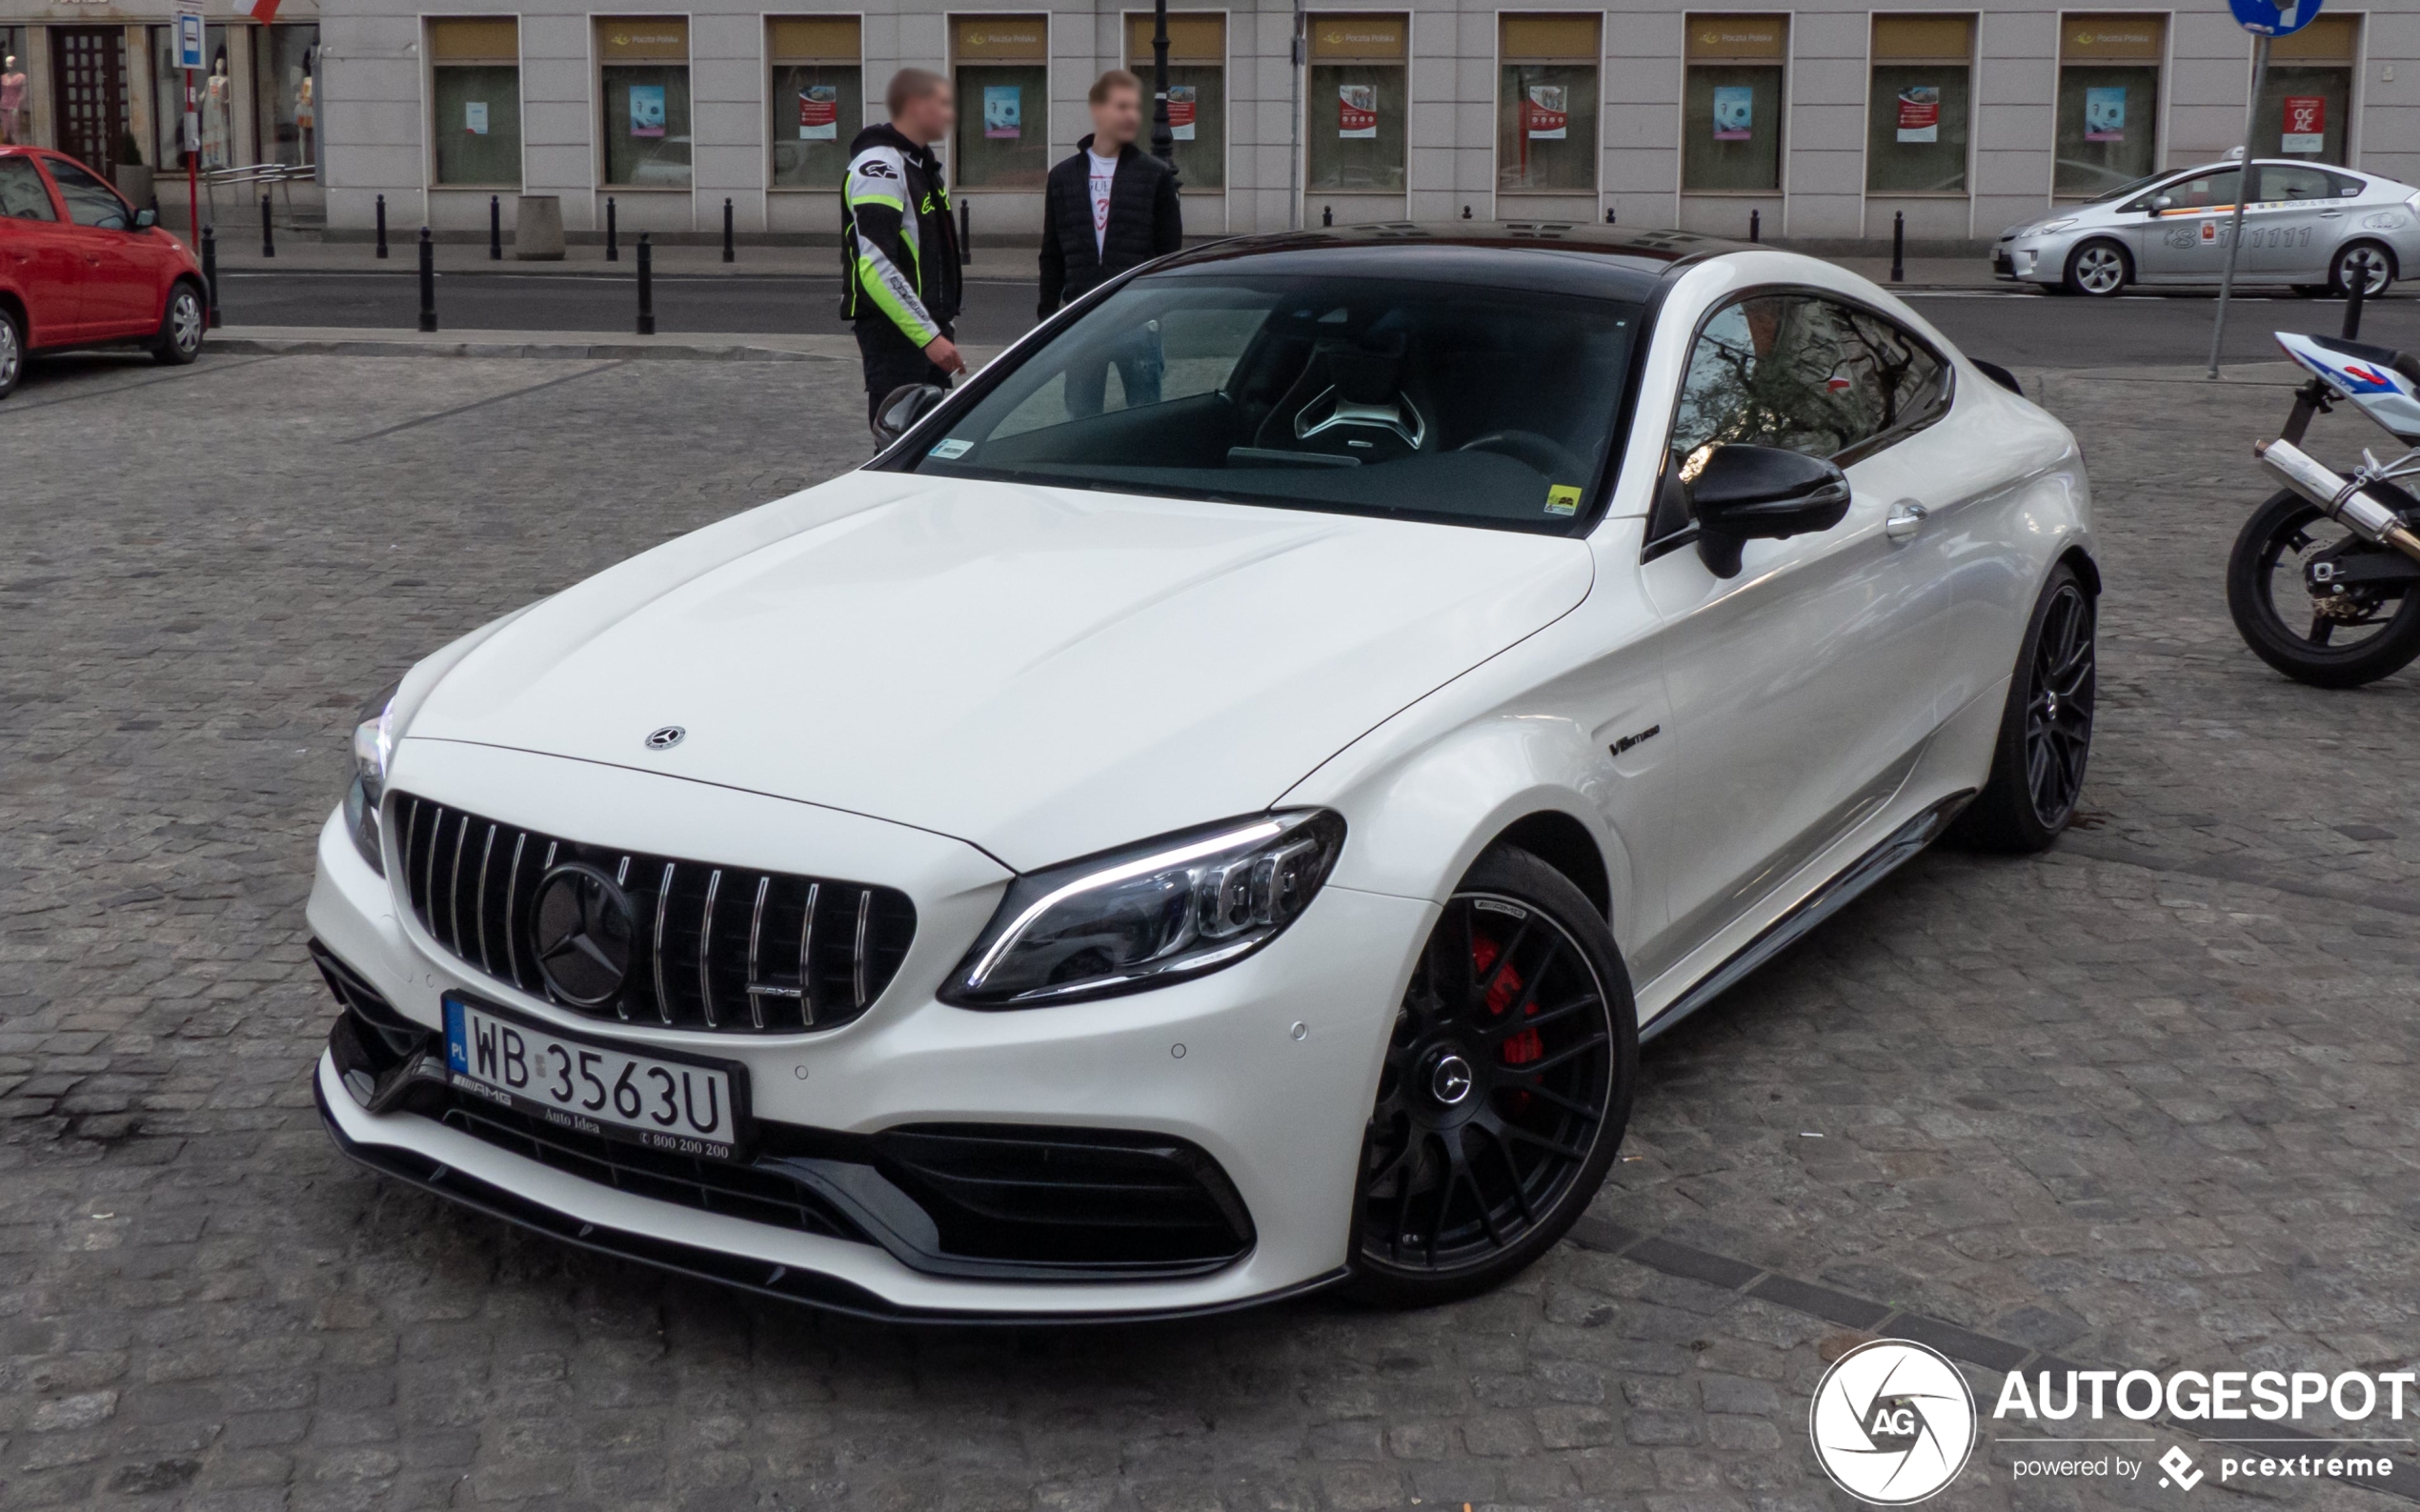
(1548, 456)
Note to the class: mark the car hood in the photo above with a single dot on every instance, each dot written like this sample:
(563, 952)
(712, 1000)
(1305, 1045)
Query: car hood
(1043, 673)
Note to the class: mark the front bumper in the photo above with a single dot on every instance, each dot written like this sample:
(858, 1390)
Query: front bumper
(1267, 1068)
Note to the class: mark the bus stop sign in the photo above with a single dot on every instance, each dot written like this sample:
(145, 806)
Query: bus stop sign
(189, 39)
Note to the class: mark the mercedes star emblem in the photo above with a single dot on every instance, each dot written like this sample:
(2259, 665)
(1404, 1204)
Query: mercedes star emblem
(580, 929)
(664, 739)
(1450, 1082)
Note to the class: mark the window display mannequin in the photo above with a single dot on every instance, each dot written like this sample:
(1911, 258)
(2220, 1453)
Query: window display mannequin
(11, 98)
(304, 117)
(217, 95)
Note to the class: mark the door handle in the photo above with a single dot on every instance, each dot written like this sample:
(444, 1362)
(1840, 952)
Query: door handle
(1907, 518)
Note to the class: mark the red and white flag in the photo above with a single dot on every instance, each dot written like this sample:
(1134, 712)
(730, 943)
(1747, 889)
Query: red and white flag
(263, 11)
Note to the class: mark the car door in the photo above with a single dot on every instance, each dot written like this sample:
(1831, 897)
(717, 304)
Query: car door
(2290, 229)
(121, 293)
(2186, 240)
(1801, 687)
(38, 253)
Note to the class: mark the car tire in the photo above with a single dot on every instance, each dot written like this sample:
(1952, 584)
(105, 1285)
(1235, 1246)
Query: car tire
(2340, 269)
(181, 326)
(2100, 268)
(2045, 727)
(1473, 1164)
(12, 352)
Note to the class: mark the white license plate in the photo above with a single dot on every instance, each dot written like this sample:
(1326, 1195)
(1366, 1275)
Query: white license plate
(678, 1106)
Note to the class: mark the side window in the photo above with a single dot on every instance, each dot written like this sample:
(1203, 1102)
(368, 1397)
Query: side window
(2294, 182)
(2204, 190)
(1910, 386)
(2346, 186)
(21, 196)
(89, 201)
(1778, 369)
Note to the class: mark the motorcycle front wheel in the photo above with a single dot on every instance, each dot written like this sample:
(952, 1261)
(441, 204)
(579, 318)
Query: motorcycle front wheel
(2340, 640)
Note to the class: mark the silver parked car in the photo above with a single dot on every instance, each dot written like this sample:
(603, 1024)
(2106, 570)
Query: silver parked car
(2308, 226)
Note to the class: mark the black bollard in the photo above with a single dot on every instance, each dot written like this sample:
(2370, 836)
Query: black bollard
(382, 227)
(268, 242)
(1608, 214)
(495, 230)
(613, 242)
(210, 273)
(428, 282)
(965, 235)
(1465, 212)
(729, 255)
(1328, 214)
(1898, 246)
(1756, 225)
(646, 288)
(2354, 296)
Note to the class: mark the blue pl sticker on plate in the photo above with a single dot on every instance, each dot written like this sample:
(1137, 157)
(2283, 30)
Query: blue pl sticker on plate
(457, 1049)
(953, 447)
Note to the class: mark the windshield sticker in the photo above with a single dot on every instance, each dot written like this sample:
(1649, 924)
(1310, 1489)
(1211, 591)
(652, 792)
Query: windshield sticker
(953, 447)
(1561, 498)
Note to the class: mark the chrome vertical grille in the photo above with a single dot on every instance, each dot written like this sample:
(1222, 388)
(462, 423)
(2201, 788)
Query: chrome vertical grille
(718, 948)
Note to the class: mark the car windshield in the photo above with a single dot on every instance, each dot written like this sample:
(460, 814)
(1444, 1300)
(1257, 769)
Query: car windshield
(1450, 401)
(2134, 187)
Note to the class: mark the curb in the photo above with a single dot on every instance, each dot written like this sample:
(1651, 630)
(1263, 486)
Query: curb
(566, 351)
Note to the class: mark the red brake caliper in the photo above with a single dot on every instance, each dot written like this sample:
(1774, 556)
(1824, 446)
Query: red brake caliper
(1525, 1046)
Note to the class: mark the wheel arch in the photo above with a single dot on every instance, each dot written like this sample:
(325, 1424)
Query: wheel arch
(2086, 567)
(1563, 842)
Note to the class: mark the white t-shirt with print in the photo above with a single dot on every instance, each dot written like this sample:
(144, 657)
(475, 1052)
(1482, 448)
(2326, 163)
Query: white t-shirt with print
(1104, 177)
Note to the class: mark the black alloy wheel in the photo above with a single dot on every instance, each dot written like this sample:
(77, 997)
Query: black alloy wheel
(2342, 636)
(1506, 1089)
(2045, 727)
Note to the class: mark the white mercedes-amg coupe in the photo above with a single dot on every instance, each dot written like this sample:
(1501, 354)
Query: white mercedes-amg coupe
(1212, 809)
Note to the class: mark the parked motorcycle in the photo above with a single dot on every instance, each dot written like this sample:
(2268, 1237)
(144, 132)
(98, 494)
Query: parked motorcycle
(2324, 582)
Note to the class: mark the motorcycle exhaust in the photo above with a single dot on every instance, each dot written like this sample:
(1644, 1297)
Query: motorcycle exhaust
(2343, 501)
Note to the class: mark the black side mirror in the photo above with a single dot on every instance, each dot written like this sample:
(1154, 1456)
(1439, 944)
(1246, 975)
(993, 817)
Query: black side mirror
(902, 406)
(146, 218)
(1762, 493)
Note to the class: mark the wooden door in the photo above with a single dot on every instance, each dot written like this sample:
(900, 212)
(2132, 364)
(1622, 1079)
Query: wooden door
(87, 75)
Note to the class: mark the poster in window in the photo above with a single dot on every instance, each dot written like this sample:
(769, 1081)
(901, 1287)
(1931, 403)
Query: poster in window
(646, 110)
(1546, 115)
(1183, 106)
(2305, 129)
(474, 118)
(1357, 110)
(818, 114)
(2104, 113)
(1003, 111)
(1920, 114)
(1734, 113)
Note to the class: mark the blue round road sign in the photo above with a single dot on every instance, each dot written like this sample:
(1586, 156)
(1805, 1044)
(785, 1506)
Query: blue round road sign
(2270, 18)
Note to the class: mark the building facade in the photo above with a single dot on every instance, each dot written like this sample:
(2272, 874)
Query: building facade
(1823, 121)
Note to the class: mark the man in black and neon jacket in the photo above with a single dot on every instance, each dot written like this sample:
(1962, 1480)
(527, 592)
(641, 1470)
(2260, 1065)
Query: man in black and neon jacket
(899, 243)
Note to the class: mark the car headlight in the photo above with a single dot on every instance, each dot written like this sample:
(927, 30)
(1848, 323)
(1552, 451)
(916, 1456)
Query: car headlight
(2049, 226)
(1149, 914)
(374, 745)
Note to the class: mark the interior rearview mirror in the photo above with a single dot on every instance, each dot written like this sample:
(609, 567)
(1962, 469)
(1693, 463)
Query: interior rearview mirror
(1762, 493)
(146, 218)
(902, 406)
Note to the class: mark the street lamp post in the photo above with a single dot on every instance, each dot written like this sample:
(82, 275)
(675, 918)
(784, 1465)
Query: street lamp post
(1163, 140)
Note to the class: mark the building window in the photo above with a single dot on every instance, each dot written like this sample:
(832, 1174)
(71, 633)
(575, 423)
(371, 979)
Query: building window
(1546, 104)
(2108, 116)
(1731, 104)
(285, 73)
(1917, 109)
(644, 79)
(1002, 65)
(475, 93)
(168, 95)
(1356, 102)
(2306, 97)
(818, 96)
(1197, 93)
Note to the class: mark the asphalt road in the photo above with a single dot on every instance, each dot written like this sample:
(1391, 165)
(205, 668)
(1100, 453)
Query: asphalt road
(2016, 329)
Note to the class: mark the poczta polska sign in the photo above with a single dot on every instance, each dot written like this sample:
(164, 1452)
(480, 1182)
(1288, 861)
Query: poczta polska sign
(1893, 1423)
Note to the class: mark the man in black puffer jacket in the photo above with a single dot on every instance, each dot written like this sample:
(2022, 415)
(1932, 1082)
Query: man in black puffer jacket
(1109, 207)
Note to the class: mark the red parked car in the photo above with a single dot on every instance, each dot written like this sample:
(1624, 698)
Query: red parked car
(79, 267)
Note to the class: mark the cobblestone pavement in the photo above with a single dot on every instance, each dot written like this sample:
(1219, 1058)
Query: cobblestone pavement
(2143, 1102)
